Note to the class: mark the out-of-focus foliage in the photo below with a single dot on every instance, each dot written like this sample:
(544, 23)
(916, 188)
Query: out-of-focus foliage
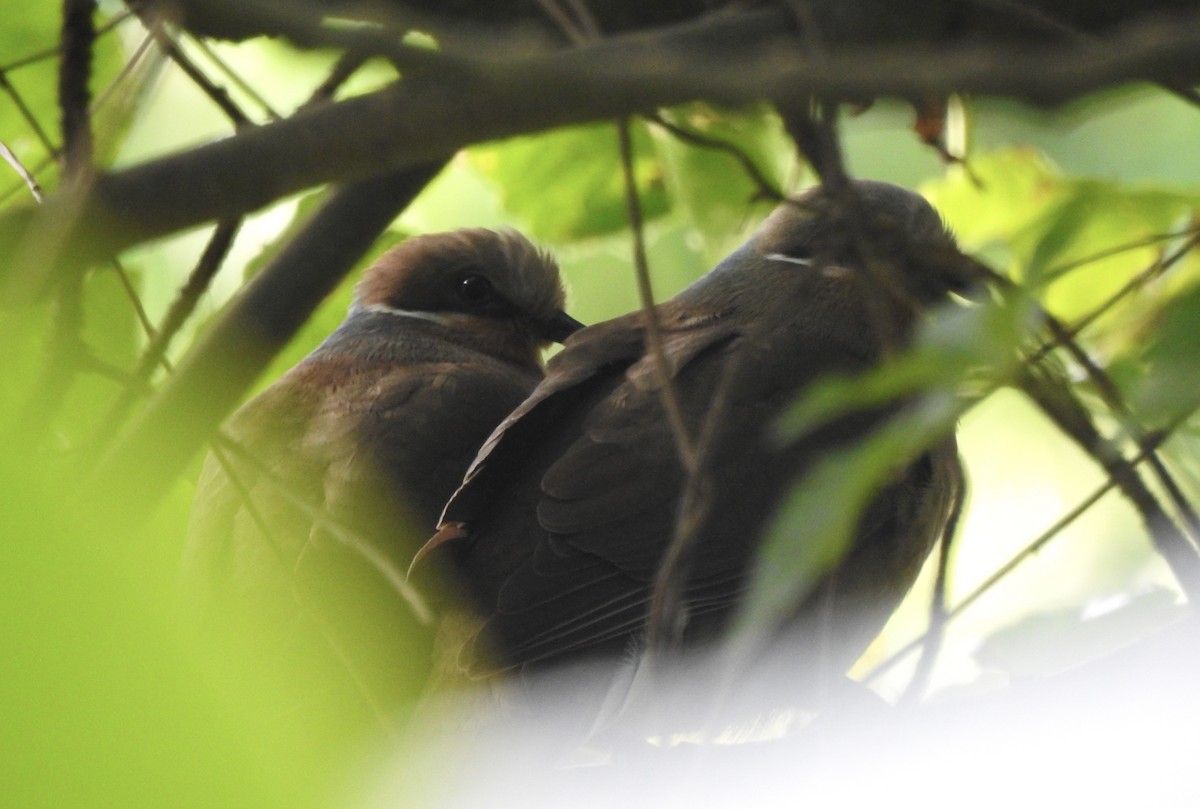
(30, 28)
(104, 701)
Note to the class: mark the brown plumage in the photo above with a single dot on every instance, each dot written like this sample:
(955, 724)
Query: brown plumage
(562, 521)
(301, 530)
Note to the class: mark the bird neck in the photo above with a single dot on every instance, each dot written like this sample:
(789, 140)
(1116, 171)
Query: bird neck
(377, 335)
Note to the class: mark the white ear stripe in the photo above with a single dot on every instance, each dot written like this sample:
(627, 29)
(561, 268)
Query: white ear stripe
(383, 308)
(803, 262)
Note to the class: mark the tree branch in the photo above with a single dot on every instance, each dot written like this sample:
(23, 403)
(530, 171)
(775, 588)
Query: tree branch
(450, 102)
(219, 370)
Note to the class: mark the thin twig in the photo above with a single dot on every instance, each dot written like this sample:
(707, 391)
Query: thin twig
(134, 300)
(1063, 336)
(654, 340)
(139, 53)
(181, 309)
(766, 189)
(30, 182)
(52, 52)
(345, 534)
(345, 67)
(52, 150)
(585, 18)
(666, 618)
(28, 116)
(234, 77)
(936, 631)
(1055, 273)
(562, 20)
(1055, 398)
(1112, 398)
(306, 604)
(218, 95)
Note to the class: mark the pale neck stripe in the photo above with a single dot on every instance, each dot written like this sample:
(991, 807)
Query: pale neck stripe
(384, 309)
(803, 262)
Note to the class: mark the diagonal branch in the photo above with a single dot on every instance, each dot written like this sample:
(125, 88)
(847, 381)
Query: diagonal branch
(219, 370)
(450, 102)
(1057, 401)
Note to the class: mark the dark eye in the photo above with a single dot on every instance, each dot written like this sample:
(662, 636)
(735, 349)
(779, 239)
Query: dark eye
(476, 290)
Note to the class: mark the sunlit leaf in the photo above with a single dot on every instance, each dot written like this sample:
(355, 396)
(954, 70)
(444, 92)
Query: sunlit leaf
(567, 184)
(1016, 186)
(713, 188)
(1098, 219)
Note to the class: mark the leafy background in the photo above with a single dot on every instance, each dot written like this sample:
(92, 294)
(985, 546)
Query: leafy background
(105, 704)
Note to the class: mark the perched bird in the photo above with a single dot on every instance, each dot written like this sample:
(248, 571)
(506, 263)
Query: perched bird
(306, 512)
(562, 521)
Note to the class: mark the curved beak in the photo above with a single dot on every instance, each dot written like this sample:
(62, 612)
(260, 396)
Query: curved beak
(559, 327)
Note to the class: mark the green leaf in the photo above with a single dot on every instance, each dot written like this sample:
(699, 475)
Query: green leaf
(566, 184)
(711, 186)
(1102, 231)
(600, 272)
(1171, 388)
(1016, 188)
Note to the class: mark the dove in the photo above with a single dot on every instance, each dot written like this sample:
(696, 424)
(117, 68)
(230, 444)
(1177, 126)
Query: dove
(308, 509)
(563, 520)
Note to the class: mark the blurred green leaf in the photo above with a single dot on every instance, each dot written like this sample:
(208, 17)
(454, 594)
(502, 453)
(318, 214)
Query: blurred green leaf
(953, 344)
(109, 335)
(30, 28)
(816, 523)
(567, 184)
(101, 700)
(1171, 388)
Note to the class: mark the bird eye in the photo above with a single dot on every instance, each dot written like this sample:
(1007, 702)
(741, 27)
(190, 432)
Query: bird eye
(476, 290)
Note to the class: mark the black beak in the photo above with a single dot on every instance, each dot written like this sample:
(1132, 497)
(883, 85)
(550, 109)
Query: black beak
(559, 327)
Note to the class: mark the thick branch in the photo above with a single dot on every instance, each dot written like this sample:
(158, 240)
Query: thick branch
(219, 370)
(731, 59)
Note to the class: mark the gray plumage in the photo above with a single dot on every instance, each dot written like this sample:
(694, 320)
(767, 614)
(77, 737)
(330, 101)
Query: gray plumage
(562, 521)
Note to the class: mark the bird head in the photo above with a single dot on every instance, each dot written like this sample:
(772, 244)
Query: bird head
(893, 229)
(493, 285)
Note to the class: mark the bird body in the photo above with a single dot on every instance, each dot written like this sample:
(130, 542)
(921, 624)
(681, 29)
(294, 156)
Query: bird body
(562, 523)
(306, 511)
